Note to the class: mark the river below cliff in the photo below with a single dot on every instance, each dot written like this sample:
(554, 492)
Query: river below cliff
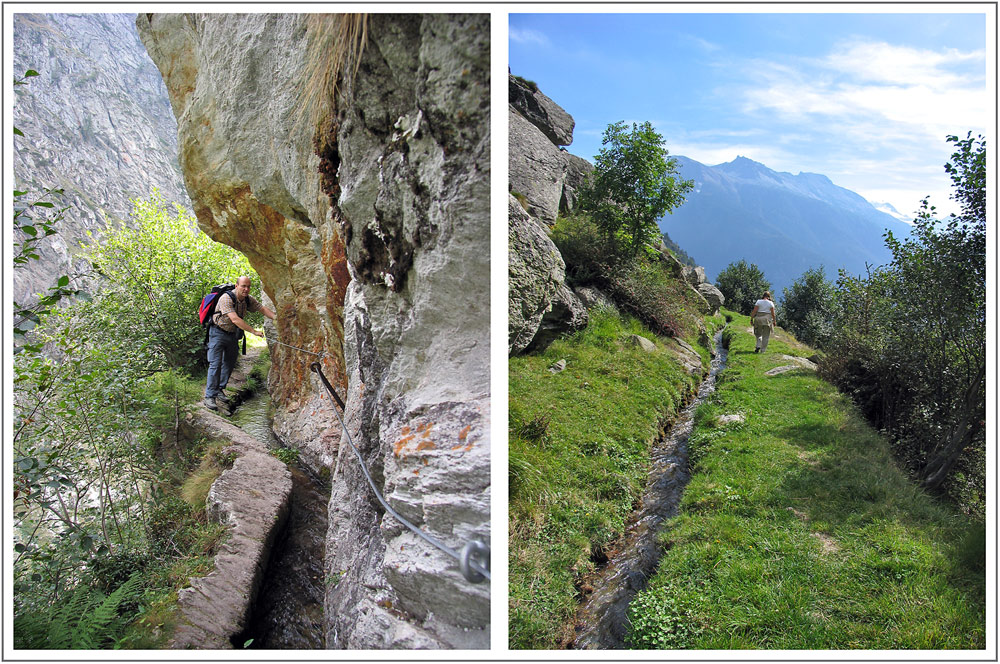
(288, 613)
(601, 620)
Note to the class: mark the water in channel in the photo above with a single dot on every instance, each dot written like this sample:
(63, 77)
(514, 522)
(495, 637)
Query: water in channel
(288, 613)
(601, 621)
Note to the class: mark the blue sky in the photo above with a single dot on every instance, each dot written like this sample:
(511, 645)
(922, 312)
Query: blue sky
(866, 99)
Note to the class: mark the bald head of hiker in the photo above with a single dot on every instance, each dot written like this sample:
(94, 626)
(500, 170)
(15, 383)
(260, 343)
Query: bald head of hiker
(227, 328)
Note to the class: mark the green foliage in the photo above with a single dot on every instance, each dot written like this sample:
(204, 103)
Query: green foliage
(286, 455)
(807, 308)
(659, 620)
(911, 348)
(85, 619)
(531, 85)
(155, 272)
(633, 185)
(578, 457)
(639, 284)
(743, 285)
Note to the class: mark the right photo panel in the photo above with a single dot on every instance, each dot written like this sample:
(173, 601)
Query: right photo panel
(747, 330)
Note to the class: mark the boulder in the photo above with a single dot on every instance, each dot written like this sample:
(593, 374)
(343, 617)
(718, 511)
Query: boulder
(641, 342)
(536, 168)
(535, 272)
(712, 295)
(539, 110)
(694, 275)
(577, 171)
(593, 298)
(566, 314)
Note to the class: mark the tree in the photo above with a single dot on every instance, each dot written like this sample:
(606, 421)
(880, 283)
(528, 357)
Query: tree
(154, 274)
(807, 308)
(914, 354)
(742, 285)
(633, 185)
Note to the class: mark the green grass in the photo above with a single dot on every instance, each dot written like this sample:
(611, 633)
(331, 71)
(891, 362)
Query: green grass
(578, 454)
(798, 531)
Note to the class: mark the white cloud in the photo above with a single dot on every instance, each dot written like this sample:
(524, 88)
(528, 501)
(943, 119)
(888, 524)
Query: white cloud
(929, 92)
(527, 36)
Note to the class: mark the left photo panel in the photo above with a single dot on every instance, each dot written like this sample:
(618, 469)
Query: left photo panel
(251, 334)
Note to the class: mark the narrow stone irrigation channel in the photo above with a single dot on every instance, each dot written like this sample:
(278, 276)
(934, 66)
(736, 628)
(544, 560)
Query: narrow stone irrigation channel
(288, 613)
(601, 621)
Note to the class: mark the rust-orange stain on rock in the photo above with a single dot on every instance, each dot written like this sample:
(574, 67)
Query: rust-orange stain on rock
(422, 432)
(462, 437)
(401, 443)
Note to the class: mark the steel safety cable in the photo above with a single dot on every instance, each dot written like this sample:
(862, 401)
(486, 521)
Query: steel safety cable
(469, 563)
(282, 343)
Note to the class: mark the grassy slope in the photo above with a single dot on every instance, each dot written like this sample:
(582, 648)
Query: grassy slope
(579, 445)
(798, 530)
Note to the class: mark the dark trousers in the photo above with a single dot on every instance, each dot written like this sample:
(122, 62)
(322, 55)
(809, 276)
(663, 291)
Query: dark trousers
(222, 353)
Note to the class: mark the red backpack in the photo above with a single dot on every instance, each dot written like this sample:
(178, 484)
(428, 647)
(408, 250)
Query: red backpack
(208, 305)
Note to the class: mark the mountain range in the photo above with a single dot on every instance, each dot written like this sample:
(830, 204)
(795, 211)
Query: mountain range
(783, 223)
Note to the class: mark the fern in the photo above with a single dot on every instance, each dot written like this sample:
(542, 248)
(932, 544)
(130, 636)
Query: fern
(87, 619)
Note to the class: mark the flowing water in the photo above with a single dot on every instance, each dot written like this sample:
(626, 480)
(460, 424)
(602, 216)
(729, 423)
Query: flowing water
(601, 621)
(288, 613)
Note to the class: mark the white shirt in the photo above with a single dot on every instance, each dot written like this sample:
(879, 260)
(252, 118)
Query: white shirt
(764, 307)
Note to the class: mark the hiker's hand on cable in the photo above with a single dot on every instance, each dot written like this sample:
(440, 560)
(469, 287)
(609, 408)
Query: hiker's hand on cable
(259, 334)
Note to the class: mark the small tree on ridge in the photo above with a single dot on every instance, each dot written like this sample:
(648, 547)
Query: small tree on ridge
(633, 185)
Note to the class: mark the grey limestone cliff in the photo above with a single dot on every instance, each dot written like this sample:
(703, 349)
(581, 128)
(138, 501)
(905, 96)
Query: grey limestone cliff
(367, 218)
(96, 123)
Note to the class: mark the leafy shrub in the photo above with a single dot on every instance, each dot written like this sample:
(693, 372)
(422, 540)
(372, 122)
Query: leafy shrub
(155, 273)
(910, 347)
(807, 308)
(660, 619)
(743, 285)
(638, 284)
(287, 455)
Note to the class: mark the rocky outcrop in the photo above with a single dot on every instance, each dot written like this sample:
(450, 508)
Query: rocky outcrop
(539, 110)
(540, 305)
(548, 177)
(366, 215)
(566, 313)
(535, 272)
(578, 170)
(706, 292)
(96, 123)
(593, 298)
(536, 168)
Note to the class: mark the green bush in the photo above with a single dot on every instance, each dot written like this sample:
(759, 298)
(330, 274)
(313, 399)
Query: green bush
(638, 284)
(154, 273)
(742, 285)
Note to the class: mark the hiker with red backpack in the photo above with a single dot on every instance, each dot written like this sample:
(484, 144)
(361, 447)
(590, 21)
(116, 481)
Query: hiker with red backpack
(226, 327)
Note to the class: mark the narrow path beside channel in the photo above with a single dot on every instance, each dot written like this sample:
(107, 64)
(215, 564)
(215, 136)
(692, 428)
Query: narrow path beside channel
(288, 613)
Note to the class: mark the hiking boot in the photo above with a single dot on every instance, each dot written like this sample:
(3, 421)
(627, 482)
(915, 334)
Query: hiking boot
(210, 403)
(221, 396)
